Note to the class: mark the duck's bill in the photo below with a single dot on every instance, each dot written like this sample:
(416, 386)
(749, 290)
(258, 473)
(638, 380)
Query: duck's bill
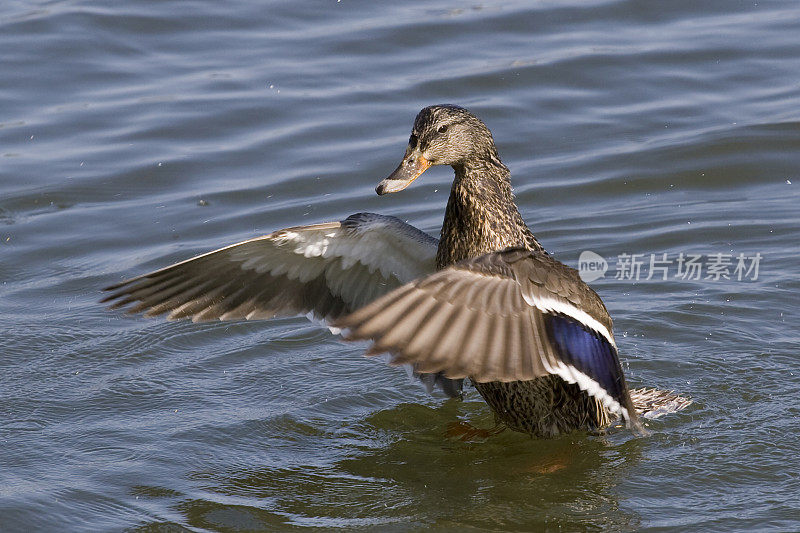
(410, 169)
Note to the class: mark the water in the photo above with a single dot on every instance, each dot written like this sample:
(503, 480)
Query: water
(135, 134)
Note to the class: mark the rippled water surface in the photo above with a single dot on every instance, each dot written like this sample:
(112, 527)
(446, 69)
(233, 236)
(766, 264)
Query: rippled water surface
(134, 134)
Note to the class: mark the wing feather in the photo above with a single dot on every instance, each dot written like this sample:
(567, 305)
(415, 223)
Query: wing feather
(495, 346)
(327, 270)
(506, 316)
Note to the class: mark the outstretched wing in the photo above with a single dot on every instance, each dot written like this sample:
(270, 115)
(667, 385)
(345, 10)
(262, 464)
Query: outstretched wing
(506, 316)
(326, 270)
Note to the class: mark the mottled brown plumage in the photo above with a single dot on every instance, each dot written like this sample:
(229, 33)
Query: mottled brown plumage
(481, 217)
(485, 302)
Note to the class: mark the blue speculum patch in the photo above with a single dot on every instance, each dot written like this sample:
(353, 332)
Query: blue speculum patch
(588, 352)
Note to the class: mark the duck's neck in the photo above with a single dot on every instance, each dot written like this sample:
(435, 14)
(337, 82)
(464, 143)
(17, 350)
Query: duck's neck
(481, 215)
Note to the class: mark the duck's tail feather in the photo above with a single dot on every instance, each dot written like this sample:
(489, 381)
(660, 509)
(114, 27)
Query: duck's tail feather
(654, 403)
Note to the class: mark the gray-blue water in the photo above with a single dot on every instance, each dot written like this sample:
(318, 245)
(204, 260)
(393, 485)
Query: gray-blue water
(134, 134)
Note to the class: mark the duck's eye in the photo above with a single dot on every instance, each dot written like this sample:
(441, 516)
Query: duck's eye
(412, 141)
(442, 128)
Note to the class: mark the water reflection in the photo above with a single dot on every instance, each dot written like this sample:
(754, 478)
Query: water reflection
(398, 469)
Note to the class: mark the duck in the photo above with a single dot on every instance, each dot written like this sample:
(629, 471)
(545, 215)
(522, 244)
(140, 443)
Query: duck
(485, 302)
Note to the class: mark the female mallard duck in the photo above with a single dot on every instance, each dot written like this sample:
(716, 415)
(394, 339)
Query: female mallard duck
(485, 302)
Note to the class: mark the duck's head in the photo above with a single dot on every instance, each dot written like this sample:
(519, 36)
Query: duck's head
(442, 135)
